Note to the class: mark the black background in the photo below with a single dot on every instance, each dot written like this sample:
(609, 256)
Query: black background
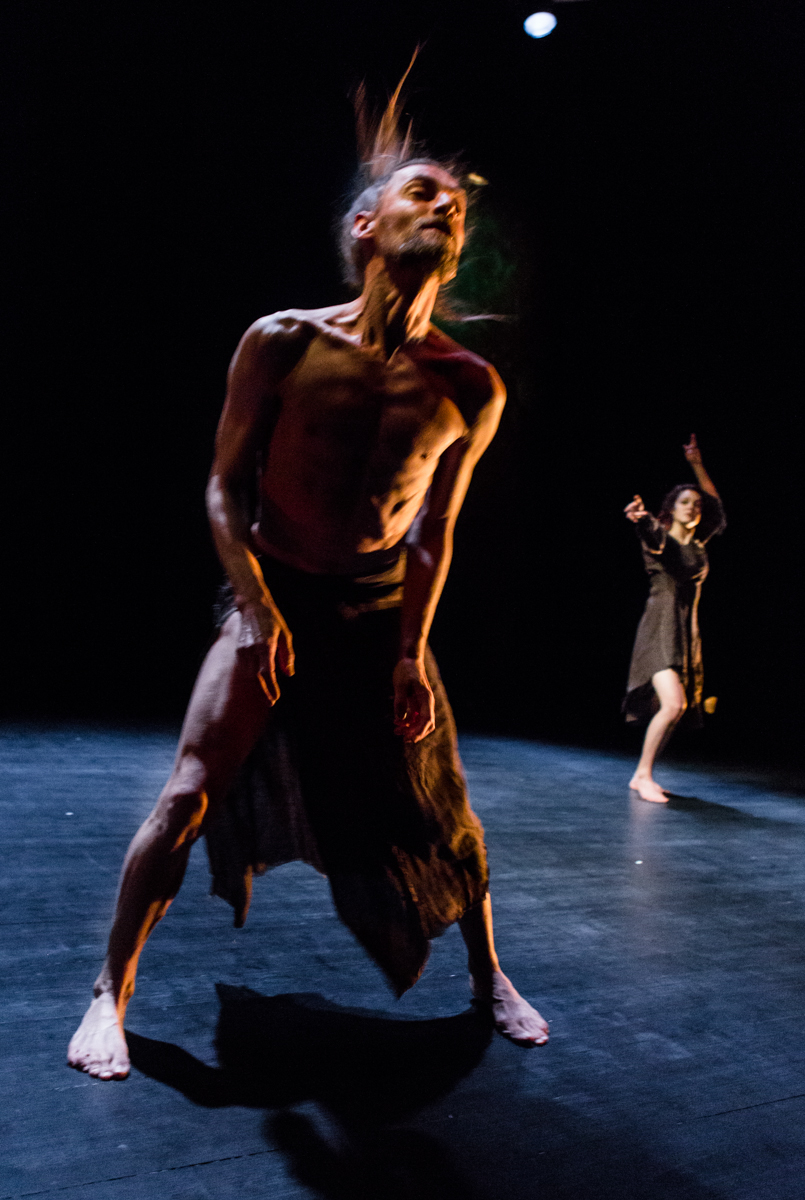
(174, 172)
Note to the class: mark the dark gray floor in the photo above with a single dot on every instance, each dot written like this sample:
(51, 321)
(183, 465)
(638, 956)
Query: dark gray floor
(664, 944)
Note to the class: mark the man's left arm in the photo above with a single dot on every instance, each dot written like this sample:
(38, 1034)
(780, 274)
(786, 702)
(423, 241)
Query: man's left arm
(429, 560)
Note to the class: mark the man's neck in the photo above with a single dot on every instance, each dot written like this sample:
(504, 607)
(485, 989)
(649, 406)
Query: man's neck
(395, 307)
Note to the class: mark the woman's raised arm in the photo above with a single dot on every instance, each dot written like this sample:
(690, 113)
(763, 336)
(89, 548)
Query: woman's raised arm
(694, 456)
(713, 520)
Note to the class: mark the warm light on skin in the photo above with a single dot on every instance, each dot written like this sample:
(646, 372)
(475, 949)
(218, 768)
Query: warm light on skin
(414, 239)
(687, 514)
(420, 200)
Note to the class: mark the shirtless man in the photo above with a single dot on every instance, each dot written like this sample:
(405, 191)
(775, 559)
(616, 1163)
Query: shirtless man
(373, 410)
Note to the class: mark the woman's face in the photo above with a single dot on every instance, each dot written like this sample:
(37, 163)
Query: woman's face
(688, 508)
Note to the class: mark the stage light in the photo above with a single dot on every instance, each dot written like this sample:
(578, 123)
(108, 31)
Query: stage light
(540, 24)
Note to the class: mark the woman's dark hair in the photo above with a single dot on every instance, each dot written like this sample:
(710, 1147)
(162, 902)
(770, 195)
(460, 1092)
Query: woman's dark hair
(665, 515)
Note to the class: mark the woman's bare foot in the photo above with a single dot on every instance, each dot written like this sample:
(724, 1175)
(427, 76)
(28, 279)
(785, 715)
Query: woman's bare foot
(514, 1017)
(98, 1046)
(647, 789)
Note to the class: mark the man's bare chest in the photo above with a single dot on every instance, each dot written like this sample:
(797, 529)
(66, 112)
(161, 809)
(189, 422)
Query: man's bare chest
(338, 397)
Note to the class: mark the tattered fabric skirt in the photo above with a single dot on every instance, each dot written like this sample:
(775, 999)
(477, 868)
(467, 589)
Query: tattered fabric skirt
(330, 783)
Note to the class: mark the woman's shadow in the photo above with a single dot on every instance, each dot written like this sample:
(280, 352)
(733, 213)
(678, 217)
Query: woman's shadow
(365, 1071)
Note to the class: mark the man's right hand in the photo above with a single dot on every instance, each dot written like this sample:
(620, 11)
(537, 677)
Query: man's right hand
(266, 638)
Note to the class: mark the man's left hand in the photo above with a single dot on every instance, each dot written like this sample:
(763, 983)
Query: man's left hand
(414, 708)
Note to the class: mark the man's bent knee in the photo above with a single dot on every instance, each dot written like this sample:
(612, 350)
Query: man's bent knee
(183, 805)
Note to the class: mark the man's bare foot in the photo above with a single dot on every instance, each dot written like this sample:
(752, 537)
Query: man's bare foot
(514, 1017)
(98, 1046)
(647, 789)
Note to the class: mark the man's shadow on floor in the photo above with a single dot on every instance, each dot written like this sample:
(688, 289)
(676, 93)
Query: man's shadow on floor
(364, 1074)
(365, 1071)
(278, 1051)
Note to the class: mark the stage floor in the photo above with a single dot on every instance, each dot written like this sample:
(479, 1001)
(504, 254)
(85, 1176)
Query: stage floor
(665, 945)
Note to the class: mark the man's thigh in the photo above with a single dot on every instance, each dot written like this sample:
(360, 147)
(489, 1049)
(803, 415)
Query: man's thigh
(227, 712)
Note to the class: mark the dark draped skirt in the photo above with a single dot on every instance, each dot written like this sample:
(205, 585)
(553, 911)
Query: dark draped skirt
(330, 783)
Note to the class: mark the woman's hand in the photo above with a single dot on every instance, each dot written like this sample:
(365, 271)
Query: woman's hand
(636, 510)
(692, 452)
(414, 708)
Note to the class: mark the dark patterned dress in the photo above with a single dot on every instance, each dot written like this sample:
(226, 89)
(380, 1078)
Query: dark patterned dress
(668, 633)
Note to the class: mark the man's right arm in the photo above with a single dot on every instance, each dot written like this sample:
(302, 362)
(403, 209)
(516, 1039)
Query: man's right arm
(266, 353)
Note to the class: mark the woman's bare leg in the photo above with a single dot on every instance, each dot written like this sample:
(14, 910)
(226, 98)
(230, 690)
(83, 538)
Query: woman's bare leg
(227, 711)
(673, 703)
(514, 1016)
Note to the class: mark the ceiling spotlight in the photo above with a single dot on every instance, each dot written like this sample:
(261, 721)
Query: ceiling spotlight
(539, 24)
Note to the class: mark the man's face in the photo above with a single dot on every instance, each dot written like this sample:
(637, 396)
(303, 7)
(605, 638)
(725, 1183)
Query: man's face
(419, 220)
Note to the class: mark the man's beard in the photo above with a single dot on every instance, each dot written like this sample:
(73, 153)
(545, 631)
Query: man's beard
(433, 255)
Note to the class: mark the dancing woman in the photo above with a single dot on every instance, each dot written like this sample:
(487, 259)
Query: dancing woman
(665, 675)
